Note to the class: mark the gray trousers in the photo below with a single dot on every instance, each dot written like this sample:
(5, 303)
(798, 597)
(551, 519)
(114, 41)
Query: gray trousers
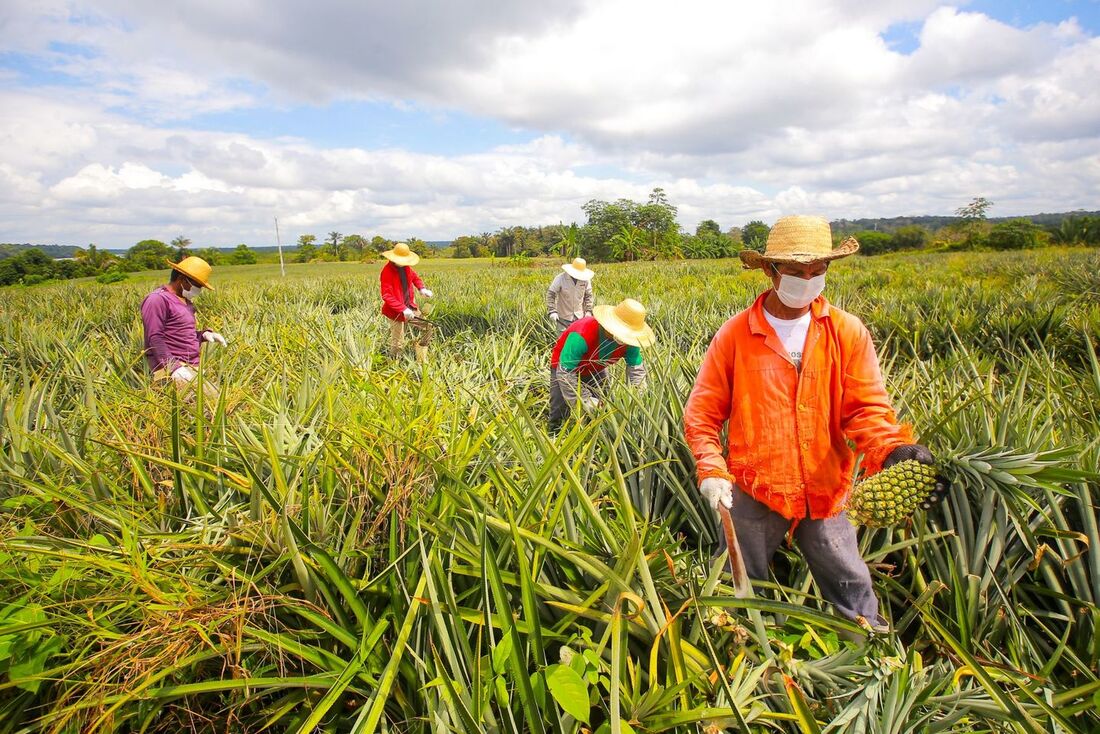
(563, 324)
(829, 547)
(560, 405)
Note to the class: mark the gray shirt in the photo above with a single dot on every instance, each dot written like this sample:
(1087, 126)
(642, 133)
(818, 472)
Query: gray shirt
(569, 298)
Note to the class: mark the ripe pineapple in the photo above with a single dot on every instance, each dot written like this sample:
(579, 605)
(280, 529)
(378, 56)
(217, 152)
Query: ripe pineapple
(891, 495)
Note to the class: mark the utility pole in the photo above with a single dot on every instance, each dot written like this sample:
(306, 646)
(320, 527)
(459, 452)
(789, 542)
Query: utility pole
(279, 241)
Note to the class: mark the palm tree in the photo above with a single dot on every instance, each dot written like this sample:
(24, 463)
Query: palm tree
(627, 243)
(182, 245)
(1071, 231)
(570, 241)
(334, 238)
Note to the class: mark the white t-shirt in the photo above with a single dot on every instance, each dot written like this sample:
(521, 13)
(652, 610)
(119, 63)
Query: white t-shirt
(792, 332)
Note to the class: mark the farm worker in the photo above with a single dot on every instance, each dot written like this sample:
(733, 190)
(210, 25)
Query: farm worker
(172, 342)
(400, 285)
(588, 347)
(795, 379)
(570, 295)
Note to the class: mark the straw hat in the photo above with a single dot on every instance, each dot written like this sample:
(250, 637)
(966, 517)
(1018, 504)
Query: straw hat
(626, 323)
(799, 239)
(578, 269)
(195, 268)
(401, 255)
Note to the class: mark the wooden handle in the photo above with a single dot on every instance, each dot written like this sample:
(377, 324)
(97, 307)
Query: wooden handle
(742, 589)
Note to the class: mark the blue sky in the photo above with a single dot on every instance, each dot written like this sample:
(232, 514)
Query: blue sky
(141, 119)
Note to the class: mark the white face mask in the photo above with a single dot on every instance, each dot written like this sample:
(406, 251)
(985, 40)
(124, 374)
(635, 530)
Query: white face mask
(796, 292)
(192, 292)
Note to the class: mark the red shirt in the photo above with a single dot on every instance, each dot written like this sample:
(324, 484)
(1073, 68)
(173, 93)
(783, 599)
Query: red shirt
(397, 296)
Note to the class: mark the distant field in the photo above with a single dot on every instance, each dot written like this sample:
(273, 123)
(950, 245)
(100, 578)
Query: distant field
(351, 543)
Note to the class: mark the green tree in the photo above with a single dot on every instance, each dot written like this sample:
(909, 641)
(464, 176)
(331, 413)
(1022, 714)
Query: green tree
(754, 235)
(708, 241)
(241, 255)
(569, 241)
(973, 220)
(505, 241)
(605, 220)
(29, 267)
(182, 246)
(148, 255)
(627, 243)
(1016, 234)
(910, 237)
(380, 244)
(657, 218)
(96, 260)
(976, 209)
(872, 242)
(466, 246)
(307, 247)
(419, 246)
(354, 245)
(334, 239)
(1076, 231)
(212, 255)
(708, 227)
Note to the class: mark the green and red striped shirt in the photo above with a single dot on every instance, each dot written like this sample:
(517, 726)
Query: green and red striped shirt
(585, 348)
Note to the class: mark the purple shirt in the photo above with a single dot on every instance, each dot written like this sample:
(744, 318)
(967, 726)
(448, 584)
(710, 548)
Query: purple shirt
(170, 335)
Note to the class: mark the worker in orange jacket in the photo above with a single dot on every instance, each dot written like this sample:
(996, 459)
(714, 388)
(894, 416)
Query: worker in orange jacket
(796, 378)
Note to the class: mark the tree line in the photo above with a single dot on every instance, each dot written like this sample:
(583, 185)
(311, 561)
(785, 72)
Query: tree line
(338, 247)
(614, 231)
(33, 266)
(626, 230)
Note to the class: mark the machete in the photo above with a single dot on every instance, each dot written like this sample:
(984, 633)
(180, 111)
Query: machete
(742, 589)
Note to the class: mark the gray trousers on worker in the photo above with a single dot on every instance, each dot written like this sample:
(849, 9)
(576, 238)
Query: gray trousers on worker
(563, 324)
(829, 547)
(561, 400)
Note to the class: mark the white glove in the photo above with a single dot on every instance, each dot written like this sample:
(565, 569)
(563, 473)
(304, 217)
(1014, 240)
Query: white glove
(590, 404)
(210, 337)
(426, 293)
(715, 490)
(554, 318)
(409, 313)
(183, 374)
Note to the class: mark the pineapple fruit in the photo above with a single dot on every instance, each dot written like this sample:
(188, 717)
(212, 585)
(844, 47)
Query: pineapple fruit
(891, 495)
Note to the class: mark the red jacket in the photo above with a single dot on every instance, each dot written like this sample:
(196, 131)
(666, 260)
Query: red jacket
(789, 431)
(396, 299)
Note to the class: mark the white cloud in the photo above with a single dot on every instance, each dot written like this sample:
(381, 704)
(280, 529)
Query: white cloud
(738, 110)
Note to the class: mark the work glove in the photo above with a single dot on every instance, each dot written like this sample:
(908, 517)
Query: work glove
(213, 337)
(920, 453)
(553, 318)
(183, 374)
(426, 293)
(409, 314)
(909, 451)
(715, 490)
(590, 404)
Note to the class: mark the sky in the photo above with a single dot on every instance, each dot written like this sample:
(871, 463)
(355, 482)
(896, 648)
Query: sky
(128, 119)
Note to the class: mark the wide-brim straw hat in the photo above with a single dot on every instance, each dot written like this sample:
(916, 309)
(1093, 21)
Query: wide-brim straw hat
(401, 255)
(626, 323)
(578, 269)
(195, 268)
(799, 239)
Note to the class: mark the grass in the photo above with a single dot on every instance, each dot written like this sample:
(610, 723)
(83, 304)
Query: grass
(348, 543)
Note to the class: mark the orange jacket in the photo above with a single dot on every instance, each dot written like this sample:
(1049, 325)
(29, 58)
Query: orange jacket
(789, 430)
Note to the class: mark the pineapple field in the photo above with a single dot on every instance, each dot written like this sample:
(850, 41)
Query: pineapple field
(348, 543)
